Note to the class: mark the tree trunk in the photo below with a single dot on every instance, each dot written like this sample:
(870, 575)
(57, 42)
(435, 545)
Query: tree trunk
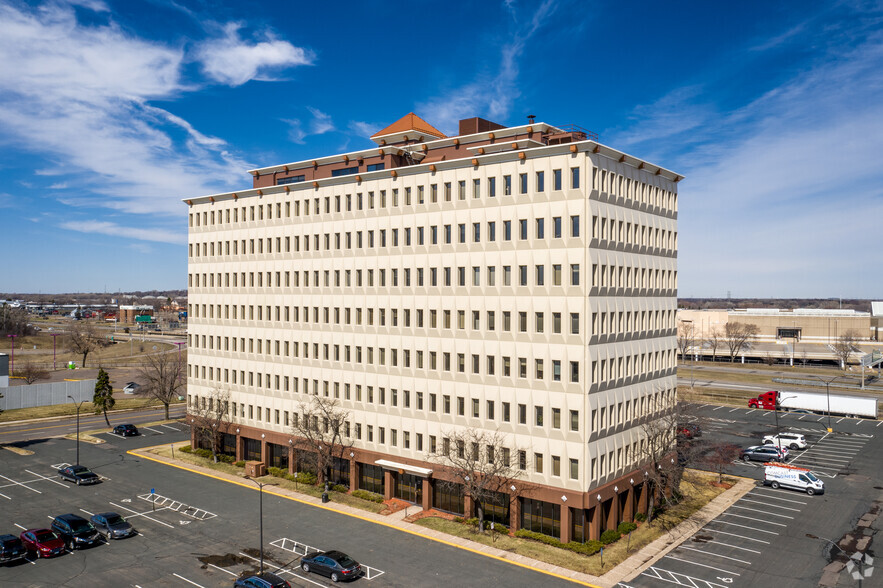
(166, 405)
(106, 420)
(84, 359)
(480, 516)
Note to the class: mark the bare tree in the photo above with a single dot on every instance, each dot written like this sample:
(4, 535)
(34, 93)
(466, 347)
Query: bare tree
(31, 372)
(685, 338)
(83, 338)
(322, 431)
(720, 455)
(210, 418)
(714, 340)
(14, 321)
(737, 336)
(164, 376)
(844, 347)
(480, 462)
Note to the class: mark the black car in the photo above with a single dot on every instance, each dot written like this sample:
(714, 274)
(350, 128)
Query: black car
(112, 525)
(11, 549)
(263, 580)
(127, 430)
(79, 475)
(76, 531)
(334, 564)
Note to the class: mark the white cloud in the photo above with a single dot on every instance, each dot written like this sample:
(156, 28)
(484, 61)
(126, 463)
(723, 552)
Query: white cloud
(232, 61)
(59, 186)
(319, 124)
(138, 233)
(79, 94)
(364, 129)
(490, 96)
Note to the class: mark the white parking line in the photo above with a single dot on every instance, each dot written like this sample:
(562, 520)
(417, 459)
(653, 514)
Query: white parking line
(154, 430)
(750, 411)
(729, 514)
(718, 408)
(740, 536)
(843, 419)
(5, 496)
(170, 427)
(677, 578)
(735, 409)
(880, 423)
(771, 505)
(733, 546)
(47, 478)
(188, 581)
(20, 527)
(14, 483)
(142, 514)
(87, 512)
(772, 514)
(222, 569)
(715, 554)
(298, 576)
(744, 527)
(703, 565)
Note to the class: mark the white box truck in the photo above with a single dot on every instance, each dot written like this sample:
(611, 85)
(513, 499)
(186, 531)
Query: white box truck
(787, 476)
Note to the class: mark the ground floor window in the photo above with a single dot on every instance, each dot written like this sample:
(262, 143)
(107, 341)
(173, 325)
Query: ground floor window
(340, 471)
(448, 496)
(580, 521)
(371, 478)
(497, 508)
(541, 517)
(278, 456)
(252, 449)
(228, 444)
(305, 461)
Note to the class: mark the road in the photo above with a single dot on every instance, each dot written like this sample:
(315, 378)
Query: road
(42, 429)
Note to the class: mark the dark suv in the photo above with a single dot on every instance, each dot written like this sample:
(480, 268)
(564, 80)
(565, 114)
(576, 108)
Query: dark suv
(76, 531)
(11, 549)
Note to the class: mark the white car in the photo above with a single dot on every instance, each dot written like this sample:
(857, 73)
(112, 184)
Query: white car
(131, 387)
(790, 440)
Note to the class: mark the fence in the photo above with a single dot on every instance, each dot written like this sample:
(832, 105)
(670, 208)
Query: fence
(47, 394)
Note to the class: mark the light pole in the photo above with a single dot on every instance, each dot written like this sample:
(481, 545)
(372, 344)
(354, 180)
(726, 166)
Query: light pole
(828, 392)
(12, 356)
(777, 413)
(54, 335)
(79, 404)
(261, 516)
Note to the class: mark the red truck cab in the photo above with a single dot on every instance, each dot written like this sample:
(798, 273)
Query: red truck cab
(767, 400)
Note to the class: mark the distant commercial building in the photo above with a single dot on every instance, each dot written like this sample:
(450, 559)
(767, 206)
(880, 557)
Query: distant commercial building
(130, 314)
(516, 279)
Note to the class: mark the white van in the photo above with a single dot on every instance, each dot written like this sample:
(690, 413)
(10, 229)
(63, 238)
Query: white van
(787, 476)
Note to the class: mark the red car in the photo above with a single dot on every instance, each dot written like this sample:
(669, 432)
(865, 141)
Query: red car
(43, 542)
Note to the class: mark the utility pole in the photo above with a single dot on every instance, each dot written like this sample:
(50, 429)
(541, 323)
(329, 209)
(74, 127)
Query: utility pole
(79, 404)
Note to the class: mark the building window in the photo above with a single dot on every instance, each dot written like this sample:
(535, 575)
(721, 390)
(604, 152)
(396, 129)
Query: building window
(376, 166)
(574, 469)
(541, 517)
(538, 416)
(538, 463)
(556, 179)
(523, 179)
(541, 181)
(345, 171)
(574, 420)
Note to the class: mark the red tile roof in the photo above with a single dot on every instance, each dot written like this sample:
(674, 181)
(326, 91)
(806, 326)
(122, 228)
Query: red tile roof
(410, 122)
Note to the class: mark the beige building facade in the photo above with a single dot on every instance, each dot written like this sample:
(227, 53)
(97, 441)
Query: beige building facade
(809, 325)
(520, 280)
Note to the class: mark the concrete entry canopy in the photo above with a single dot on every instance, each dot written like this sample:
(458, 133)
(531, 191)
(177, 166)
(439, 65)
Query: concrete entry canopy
(392, 465)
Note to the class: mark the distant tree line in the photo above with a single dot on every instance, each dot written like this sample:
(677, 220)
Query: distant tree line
(14, 321)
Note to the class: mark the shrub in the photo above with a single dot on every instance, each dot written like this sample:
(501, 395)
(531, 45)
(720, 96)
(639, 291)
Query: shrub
(498, 528)
(305, 478)
(626, 527)
(640, 517)
(278, 472)
(340, 488)
(239, 464)
(589, 548)
(609, 536)
(226, 458)
(185, 449)
(365, 495)
(204, 453)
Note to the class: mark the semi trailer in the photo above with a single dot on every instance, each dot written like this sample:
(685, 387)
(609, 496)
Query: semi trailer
(840, 404)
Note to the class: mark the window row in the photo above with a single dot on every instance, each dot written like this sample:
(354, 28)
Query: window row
(633, 190)
(628, 233)
(448, 234)
(409, 196)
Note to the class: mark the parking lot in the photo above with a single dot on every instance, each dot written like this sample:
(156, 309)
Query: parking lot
(761, 540)
(195, 530)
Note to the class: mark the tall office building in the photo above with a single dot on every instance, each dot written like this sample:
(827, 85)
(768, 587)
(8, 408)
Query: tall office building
(515, 279)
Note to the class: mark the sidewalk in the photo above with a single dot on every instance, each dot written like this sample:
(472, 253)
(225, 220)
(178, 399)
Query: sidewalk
(625, 571)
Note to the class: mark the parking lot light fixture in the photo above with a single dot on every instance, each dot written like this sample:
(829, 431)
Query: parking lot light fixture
(53, 335)
(79, 404)
(828, 383)
(776, 410)
(261, 513)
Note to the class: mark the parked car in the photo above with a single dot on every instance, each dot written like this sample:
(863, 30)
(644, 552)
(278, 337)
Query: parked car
(263, 580)
(127, 430)
(11, 549)
(764, 453)
(131, 387)
(790, 440)
(76, 531)
(43, 542)
(79, 475)
(112, 526)
(689, 430)
(334, 564)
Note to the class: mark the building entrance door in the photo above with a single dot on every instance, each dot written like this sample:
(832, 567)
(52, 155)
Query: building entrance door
(409, 488)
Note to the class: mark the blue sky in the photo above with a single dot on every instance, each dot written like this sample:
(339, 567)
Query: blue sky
(112, 112)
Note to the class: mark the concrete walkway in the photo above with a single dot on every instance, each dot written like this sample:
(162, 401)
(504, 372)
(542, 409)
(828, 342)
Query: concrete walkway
(628, 569)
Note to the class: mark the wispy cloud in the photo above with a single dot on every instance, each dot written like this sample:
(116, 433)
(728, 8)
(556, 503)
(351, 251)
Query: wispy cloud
(232, 61)
(364, 129)
(491, 95)
(80, 93)
(318, 124)
(138, 233)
